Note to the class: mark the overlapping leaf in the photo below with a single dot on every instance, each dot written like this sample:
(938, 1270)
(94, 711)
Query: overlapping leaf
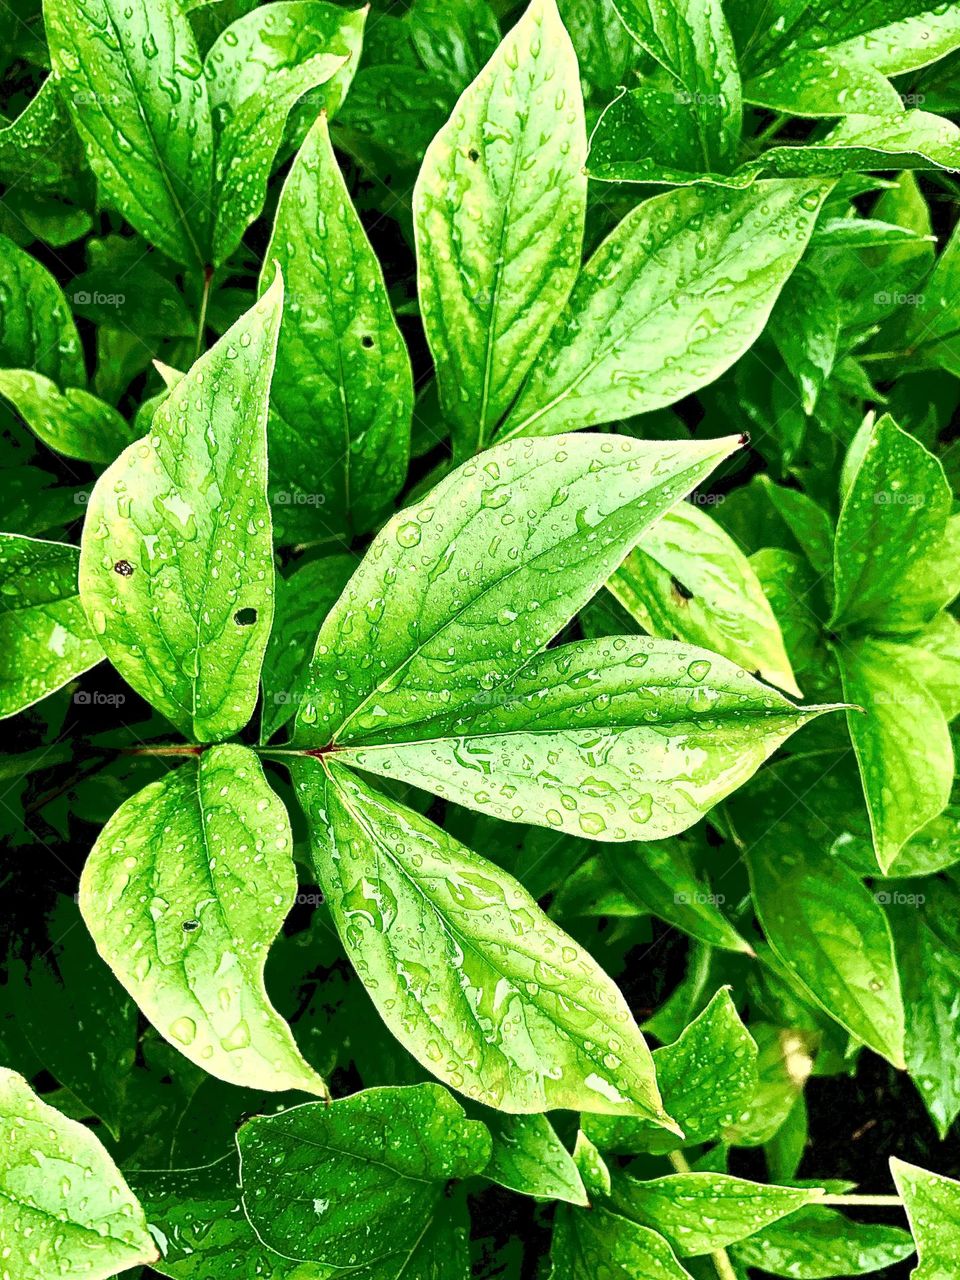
(342, 392)
(85, 1219)
(466, 970)
(185, 889)
(498, 211)
(176, 564)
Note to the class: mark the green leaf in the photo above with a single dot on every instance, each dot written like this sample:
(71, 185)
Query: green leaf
(805, 325)
(890, 140)
(662, 877)
(258, 68)
(646, 135)
(932, 1203)
(185, 889)
(342, 393)
(667, 877)
(822, 82)
(929, 971)
(529, 1157)
(498, 212)
(64, 1206)
(176, 564)
(36, 327)
(603, 45)
(929, 335)
(705, 1077)
(199, 1220)
(453, 38)
(817, 1242)
(888, 556)
(39, 150)
(908, 44)
(487, 584)
(595, 1242)
(901, 740)
(699, 1213)
(131, 74)
(463, 966)
(688, 580)
(691, 41)
(44, 637)
(73, 422)
(784, 1063)
(633, 339)
(621, 739)
(354, 1181)
(306, 595)
(825, 927)
(828, 57)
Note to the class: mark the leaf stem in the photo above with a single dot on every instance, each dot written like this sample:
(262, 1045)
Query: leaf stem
(879, 1201)
(202, 321)
(168, 749)
(756, 144)
(720, 1258)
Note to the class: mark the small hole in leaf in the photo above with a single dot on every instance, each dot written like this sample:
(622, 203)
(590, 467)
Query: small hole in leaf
(473, 154)
(366, 341)
(680, 590)
(190, 926)
(245, 617)
(124, 568)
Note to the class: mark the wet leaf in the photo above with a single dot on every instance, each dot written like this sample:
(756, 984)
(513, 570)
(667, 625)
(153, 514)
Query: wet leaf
(36, 328)
(931, 1201)
(176, 565)
(342, 393)
(706, 1076)
(303, 598)
(688, 580)
(691, 41)
(529, 1157)
(73, 422)
(815, 1243)
(463, 966)
(498, 212)
(824, 925)
(359, 1178)
(64, 1206)
(132, 77)
(185, 889)
(623, 739)
(257, 69)
(896, 559)
(501, 554)
(702, 1212)
(673, 296)
(44, 637)
(901, 740)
